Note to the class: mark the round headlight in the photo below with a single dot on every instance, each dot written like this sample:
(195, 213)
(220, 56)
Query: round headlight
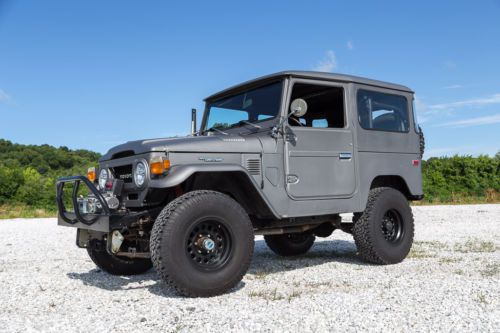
(140, 174)
(103, 177)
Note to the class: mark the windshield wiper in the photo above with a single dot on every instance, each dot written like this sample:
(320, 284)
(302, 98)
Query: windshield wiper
(248, 123)
(217, 130)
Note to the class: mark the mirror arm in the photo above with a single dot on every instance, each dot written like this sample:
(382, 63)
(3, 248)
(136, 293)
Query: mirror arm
(279, 128)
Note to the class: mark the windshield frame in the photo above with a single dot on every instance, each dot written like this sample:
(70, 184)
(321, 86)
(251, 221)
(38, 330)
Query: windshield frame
(237, 91)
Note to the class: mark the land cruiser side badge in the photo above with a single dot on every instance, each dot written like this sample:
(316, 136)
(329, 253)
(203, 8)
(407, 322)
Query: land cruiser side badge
(211, 159)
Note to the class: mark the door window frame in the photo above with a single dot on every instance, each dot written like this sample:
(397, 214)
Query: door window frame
(345, 95)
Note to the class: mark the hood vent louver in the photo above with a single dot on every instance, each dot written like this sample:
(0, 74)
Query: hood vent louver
(253, 167)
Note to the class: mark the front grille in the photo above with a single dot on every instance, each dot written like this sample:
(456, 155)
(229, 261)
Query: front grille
(123, 172)
(253, 167)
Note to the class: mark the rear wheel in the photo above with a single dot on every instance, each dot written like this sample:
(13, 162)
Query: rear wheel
(202, 243)
(116, 265)
(383, 233)
(290, 244)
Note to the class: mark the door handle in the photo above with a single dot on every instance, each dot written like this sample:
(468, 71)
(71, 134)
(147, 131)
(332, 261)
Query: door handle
(345, 156)
(292, 179)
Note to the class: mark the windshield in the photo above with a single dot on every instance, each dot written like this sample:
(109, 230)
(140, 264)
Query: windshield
(253, 105)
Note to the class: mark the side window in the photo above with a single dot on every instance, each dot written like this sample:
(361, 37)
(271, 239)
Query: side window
(325, 106)
(383, 112)
(415, 119)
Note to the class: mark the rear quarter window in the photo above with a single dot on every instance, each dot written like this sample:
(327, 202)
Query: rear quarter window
(382, 111)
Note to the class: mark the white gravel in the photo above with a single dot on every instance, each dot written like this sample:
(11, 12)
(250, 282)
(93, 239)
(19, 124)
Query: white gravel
(450, 282)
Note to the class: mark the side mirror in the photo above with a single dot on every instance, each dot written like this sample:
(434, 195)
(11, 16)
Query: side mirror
(298, 108)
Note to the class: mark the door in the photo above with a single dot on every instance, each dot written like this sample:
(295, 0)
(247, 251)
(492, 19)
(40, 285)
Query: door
(319, 145)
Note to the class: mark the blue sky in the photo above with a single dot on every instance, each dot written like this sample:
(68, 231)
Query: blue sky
(93, 74)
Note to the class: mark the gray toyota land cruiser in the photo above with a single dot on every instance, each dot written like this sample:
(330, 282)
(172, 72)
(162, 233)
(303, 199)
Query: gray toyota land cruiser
(280, 156)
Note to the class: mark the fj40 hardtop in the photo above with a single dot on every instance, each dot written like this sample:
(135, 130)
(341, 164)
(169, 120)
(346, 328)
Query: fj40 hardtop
(280, 156)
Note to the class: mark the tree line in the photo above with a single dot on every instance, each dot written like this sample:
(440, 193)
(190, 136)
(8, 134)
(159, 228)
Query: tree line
(28, 174)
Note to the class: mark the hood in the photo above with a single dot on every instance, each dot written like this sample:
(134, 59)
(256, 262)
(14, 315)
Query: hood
(215, 143)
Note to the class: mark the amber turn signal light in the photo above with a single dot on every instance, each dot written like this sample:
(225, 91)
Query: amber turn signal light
(159, 165)
(91, 174)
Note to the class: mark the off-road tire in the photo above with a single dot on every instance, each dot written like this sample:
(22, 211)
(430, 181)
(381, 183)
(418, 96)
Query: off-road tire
(118, 266)
(170, 239)
(368, 229)
(290, 244)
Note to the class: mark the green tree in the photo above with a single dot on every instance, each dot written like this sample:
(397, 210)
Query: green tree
(10, 181)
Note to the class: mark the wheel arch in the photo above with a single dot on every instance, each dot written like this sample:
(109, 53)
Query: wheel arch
(237, 184)
(394, 181)
(232, 180)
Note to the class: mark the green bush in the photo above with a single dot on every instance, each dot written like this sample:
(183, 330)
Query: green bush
(450, 179)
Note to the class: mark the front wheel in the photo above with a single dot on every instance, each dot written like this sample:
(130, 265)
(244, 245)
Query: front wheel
(202, 243)
(383, 233)
(290, 244)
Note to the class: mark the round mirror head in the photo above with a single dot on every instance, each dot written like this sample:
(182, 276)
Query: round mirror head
(298, 108)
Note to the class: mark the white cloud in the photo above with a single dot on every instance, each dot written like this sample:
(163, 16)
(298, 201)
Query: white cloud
(453, 86)
(350, 45)
(328, 63)
(493, 99)
(4, 97)
(486, 120)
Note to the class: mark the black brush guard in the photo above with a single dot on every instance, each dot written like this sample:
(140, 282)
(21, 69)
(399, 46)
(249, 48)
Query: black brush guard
(78, 216)
(104, 221)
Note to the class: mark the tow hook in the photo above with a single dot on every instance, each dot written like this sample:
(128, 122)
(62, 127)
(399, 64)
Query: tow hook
(116, 241)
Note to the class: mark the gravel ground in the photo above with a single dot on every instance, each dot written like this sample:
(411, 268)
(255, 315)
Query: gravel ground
(450, 282)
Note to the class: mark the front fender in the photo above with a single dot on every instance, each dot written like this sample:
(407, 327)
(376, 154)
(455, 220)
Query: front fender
(180, 173)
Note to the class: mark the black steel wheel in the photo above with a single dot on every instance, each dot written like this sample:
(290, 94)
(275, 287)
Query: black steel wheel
(209, 244)
(392, 226)
(202, 243)
(383, 233)
(290, 244)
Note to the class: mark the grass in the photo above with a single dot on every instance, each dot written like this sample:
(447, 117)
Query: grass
(293, 295)
(425, 249)
(420, 254)
(457, 201)
(270, 295)
(450, 260)
(260, 275)
(482, 298)
(475, 246)
(490, 197)
(490, 270)
(315, 285)
(24, 211)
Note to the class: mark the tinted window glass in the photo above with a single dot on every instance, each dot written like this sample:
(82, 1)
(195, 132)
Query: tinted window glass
(253, 105)
(384, 112)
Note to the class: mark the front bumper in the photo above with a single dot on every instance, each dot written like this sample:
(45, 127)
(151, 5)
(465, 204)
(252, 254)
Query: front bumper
(105, 221)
